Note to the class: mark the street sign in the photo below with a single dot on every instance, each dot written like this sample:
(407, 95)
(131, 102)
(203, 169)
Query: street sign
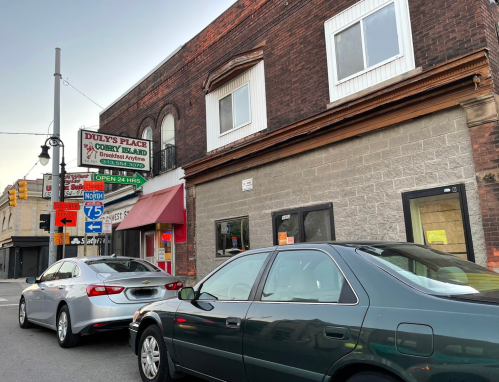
(93, 227)
(59, 238)
(65, 218)
(93, 195)
(107, 224)
(93, 212)
(93, 186)
(66, 206)
(137, 180)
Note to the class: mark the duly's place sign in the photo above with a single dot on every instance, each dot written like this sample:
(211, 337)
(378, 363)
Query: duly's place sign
(113, 151)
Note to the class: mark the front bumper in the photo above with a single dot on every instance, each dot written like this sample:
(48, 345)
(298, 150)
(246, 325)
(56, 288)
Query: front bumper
(132, 336)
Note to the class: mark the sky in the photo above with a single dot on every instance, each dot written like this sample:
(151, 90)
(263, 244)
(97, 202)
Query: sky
(106, 47)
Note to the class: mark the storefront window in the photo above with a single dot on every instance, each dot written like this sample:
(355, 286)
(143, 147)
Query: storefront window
(306, 224)
(232, 236)
(126, 243)
(439, 219)
(164, 241)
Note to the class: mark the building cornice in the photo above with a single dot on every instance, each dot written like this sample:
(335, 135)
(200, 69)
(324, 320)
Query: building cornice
(443, 86)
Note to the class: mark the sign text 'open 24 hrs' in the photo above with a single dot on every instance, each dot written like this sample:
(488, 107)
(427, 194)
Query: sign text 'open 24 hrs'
(113, 151)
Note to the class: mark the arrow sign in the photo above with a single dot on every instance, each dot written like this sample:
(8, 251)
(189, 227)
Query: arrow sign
(65, 218)
(93, 227)
(137, 180)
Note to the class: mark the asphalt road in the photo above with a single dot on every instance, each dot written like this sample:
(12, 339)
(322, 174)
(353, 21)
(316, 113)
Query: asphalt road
(34, 354)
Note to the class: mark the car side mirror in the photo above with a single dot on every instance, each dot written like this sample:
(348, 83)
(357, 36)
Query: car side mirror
(31, 280)
(187, 294)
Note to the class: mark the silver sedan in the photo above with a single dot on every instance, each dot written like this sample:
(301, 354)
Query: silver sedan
(92, 294)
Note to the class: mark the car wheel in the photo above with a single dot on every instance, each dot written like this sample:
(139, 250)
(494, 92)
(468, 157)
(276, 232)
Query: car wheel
(65, 335)
(153, 359)
(23, 316)
(372, 376)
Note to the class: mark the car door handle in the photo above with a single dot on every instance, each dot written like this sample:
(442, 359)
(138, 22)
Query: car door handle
(42, 288)
(233, 322)
(336, 333)
(61, 286)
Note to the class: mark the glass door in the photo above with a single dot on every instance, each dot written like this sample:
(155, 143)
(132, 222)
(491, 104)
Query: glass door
(438, 218)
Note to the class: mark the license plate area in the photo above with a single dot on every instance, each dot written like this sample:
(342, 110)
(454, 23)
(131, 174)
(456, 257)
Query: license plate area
(143, 293)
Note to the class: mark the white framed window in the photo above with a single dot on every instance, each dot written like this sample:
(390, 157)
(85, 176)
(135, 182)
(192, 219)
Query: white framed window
(236, 109)
(367, 44)
(168, 131)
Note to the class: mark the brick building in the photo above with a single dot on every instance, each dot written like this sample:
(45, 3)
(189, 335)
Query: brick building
(373, 119)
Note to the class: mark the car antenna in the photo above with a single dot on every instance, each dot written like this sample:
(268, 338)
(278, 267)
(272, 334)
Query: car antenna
(113, 255)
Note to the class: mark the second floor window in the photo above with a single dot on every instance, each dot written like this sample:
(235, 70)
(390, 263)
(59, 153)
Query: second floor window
(235, 109)
(168, 132)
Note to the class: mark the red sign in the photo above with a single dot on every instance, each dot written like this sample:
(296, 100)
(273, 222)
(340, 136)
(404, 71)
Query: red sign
(66, 218)
(66, 206)
(94, 203)
(93, 186)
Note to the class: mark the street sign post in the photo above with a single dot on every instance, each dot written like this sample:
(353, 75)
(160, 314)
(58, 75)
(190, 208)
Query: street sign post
(93, 212)
(65, 218)
(93, 227)
(89, 196)
(66, 206)
(137, 180)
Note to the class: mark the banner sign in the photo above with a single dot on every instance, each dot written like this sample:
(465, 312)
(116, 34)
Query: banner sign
(80, 240)
(74, 185)
(113, 151)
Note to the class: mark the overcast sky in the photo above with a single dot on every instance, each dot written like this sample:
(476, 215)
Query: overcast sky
(106, 45)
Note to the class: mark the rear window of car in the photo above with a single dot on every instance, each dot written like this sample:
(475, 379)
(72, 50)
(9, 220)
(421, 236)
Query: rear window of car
(121, 266)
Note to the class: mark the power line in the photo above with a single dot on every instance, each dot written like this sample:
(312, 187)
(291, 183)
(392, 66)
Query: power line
(66, 83)
(31, 169)
(8, 132)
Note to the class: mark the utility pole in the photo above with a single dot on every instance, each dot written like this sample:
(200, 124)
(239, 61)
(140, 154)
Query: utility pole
(55, 155)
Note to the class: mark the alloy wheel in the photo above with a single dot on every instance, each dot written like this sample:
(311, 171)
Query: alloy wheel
(22, 312)
(62, 328)
(149, 355)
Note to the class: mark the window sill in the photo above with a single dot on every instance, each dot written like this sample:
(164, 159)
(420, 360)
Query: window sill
(374, 88)
(234, 129)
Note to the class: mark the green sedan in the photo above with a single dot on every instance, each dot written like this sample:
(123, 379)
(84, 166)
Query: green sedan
(349, 311)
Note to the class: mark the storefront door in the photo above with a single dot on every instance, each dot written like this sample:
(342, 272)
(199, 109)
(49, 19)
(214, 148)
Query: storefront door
(149, 246)
(439, 218)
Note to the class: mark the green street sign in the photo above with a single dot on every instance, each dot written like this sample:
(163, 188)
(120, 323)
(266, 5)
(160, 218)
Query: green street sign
(138, 180)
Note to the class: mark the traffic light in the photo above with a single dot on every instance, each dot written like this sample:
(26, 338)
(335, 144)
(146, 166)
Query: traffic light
(23, 189)
(45, 222)
(12, 198)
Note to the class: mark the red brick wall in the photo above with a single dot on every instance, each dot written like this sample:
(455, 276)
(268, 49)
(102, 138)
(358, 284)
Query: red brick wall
(295, 61)
(485, 141)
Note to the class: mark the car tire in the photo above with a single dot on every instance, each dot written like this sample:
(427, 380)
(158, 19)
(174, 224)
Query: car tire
(23, 315)
(153, 356)
(65, 335)
(372, 376)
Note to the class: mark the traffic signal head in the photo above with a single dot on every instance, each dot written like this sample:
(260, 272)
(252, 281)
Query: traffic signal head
(45, 222)
(12, 198)
(23, 189)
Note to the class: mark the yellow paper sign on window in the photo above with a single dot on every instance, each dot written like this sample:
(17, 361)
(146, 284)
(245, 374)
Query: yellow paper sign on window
(283, 238)
(436, 237)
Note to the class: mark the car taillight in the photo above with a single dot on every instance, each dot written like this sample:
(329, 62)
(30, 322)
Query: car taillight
(100, 290)
(174, 286)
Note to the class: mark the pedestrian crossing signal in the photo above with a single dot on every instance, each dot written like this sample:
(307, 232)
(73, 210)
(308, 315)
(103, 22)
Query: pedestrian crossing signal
(12, 198)
(23, 189)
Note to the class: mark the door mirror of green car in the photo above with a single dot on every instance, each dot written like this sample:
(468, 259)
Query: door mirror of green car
(186, 294)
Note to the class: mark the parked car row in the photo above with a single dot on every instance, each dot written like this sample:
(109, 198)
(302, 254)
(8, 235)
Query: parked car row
(356, 312)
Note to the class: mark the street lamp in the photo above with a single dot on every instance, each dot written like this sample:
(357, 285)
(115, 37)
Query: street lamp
(44, 158)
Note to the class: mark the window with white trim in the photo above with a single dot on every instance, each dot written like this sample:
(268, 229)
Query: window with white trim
(167, 131)
(367, 44)
(236, 109)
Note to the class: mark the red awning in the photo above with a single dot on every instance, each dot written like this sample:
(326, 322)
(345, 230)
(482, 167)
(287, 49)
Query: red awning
(165, 206)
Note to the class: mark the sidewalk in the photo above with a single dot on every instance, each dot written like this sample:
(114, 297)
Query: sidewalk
(20, 280)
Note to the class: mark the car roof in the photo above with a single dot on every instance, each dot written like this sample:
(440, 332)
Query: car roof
(93, 258)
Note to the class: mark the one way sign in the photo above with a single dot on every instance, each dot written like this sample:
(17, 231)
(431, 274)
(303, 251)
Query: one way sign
(65, 218)
(93, 227)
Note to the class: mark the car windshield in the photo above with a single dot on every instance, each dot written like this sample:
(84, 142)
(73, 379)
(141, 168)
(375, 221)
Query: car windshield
(121, 266)
(430, 270)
